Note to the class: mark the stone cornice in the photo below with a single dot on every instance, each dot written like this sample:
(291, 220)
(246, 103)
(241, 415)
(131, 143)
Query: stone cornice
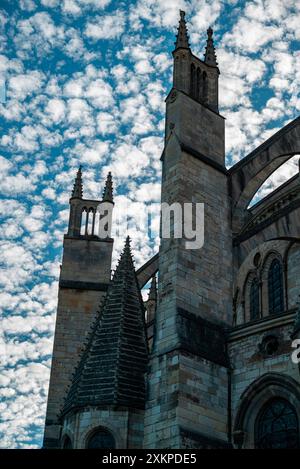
(264, 324)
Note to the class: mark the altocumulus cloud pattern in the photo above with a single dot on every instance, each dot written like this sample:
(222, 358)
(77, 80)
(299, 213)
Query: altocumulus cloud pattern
(84, 82)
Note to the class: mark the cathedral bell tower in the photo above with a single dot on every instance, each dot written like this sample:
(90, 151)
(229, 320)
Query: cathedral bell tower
(84, 278)
(187, 391)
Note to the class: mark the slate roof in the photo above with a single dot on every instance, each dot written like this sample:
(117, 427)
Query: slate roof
(112, 368)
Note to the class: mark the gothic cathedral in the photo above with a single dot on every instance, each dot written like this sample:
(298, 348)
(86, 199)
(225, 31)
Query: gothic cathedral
(206, 361)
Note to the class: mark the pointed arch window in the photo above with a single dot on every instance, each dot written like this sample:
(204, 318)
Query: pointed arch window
(275, 288)
(254, 300)
(193, 80)
(101, 438)
(205, 88)
(198, 86)
(67, 444)
(277, 426)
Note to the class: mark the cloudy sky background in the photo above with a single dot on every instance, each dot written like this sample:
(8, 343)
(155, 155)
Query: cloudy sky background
(84, 82)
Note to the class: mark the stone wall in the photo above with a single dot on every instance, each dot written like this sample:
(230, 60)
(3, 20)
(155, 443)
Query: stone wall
(191, 409)
(126, 426)
(250, 361)
(293, 277)
(195, 287)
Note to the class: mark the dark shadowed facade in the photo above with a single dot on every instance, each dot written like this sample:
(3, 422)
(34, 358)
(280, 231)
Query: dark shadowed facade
(206, 361)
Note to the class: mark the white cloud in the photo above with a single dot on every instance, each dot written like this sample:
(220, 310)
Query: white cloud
(56, 109)
(28, 5)
(148, 192)
(251, 35)
(100, 94)
(16, 185)
(106, 27)
(50, 3)
(126, 162)
(23, 85)
(106, 123)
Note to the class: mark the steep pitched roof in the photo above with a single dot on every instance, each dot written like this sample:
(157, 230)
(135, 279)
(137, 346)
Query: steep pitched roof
(112, 367)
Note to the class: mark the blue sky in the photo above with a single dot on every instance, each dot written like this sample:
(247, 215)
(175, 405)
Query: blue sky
(84, 82)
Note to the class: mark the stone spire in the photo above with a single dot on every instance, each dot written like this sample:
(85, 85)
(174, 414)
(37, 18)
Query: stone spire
(112, 367)
(108, 189)
(210, 57)
(182, 39)
(77, 188)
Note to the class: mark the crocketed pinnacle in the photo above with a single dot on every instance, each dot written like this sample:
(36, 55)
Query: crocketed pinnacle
(182, 39)
(108, 189)
(210, 57)
(77, 188)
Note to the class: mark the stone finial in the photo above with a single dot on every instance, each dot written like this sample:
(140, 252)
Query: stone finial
(108, 189)
(210, 57)
(182, 39)
(77, 188)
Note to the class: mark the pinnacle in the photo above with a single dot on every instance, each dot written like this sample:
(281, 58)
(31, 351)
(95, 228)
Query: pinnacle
(108, 189)
(77, 188)
(182, 39)
(210, 57)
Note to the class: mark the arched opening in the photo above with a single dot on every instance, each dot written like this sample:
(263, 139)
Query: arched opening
(101, 438)
(67, 443)
(193, 81)
(205, 87)
(248, 175)
(277, 426)
(198, 85)
(275, 288)
(254, 300)
(277, 179)
(91, 222)
(83, 221)
(250, 425)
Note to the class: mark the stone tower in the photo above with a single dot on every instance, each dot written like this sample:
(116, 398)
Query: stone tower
(188, 389)
(84, 278)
